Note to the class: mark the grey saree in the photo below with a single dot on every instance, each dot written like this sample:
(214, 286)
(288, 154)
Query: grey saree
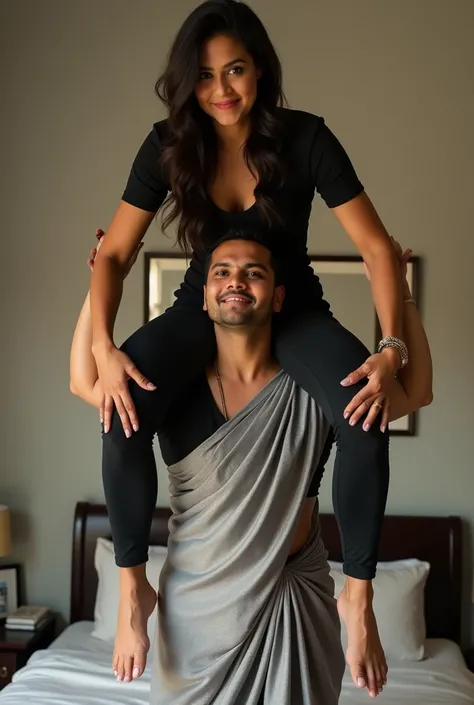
(239, 621)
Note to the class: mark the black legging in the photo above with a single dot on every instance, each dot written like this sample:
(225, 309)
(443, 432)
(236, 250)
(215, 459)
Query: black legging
(317, 352)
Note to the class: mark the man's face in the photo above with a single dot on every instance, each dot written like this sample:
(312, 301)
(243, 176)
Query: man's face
(240, 288)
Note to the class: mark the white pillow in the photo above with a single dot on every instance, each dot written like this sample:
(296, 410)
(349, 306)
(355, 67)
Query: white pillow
(399, 602)
(107, 598)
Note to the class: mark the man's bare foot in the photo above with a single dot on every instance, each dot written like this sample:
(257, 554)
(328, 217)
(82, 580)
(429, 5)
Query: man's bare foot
(364, 656)
(137, 602)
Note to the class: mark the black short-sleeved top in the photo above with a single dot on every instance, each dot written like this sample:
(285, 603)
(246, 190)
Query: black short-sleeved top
(195, 416)
(314, 160)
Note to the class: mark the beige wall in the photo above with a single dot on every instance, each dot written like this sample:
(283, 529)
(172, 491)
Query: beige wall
(393, 79)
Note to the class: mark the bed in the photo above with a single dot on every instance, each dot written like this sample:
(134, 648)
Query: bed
(75, 670)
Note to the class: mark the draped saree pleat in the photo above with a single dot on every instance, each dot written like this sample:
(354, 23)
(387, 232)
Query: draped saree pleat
(238, 618)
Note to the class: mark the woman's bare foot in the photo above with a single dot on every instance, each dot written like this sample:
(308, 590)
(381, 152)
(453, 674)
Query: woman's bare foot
(137, 602)
(364, 656)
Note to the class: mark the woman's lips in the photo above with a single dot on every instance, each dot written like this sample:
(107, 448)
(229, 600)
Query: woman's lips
(226, 104)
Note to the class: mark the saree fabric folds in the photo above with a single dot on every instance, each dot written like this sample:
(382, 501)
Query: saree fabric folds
(240, 622)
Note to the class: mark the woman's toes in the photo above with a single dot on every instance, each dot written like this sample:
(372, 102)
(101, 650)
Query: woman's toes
(358, 675)
(139, 663)
(115, 663)
(119, 669)
(128, 667)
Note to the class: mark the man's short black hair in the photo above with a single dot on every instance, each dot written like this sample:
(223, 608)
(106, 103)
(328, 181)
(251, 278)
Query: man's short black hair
(251, 235)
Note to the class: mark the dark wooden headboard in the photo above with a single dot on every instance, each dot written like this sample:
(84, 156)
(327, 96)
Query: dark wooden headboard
(437, 540)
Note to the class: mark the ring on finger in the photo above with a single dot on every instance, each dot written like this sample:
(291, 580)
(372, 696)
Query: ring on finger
(376, 403)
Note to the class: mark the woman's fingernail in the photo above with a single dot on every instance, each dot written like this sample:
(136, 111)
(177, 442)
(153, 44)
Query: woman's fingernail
(352, 422)
(346, 414)
(136, 672)
(361, 682)
(366, 427)
(150, 385)
(127, 432)
(382, 428)
(135, 427)
(106, 429)
(345, 381)
(116, 673)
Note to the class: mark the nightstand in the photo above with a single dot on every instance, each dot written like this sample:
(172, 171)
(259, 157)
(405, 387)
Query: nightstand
(16, 647)
(469, 659)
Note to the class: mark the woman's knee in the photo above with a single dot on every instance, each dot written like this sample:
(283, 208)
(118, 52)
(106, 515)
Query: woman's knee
(115, 437)
(143, 348)
(354, 440)
(321, 344)
(172, 345)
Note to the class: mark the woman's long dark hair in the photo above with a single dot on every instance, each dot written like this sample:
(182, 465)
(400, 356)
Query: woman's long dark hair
(189, 157)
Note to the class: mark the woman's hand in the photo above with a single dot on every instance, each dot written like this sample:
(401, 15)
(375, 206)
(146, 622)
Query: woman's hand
(380, 369)
(115, 368)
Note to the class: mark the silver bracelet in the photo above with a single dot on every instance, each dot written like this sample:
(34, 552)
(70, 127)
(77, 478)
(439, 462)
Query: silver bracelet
(391, 342)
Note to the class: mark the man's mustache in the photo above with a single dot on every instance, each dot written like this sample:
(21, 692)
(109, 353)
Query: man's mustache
(240, 294)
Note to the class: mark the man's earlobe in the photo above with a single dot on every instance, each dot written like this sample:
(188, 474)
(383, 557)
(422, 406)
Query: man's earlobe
(279, 298)
(204, 305)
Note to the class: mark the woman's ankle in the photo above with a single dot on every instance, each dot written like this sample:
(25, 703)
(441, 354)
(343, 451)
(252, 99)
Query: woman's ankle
(358, 592)
(133, 578)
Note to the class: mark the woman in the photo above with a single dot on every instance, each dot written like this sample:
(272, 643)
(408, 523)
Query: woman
(413, 390)
(230, 156)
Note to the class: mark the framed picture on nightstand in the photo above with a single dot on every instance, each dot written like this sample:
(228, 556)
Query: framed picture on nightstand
(9, 588)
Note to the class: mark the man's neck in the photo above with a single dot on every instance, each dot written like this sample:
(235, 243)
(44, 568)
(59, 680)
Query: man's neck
(242, 355)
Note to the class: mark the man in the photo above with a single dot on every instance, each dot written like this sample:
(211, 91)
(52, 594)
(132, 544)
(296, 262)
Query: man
(245, 599)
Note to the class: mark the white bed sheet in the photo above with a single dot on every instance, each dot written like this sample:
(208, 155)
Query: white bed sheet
(440, 679)
(76, 670)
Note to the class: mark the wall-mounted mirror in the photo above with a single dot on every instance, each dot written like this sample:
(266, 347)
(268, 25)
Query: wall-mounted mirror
(344, 284)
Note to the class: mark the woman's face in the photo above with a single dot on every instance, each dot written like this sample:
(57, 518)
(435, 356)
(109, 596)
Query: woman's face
(227, 85)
